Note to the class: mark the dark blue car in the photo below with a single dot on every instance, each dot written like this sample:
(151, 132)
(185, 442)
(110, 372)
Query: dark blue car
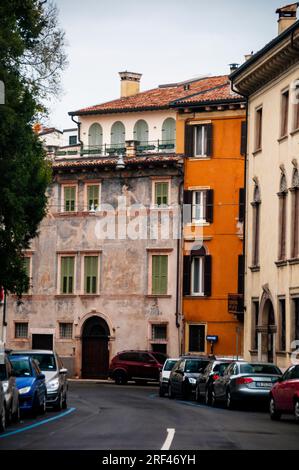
(31, 384)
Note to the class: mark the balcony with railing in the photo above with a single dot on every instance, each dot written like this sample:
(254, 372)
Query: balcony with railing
(236, 304)
(108, 150)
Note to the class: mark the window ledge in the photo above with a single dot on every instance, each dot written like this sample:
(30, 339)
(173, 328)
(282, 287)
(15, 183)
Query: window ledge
(158, 296)
(282, 138)
(257, 151)
(89, 296)
(281, 263)
(64, 340)
(253, 352)
(65, 296)
(21, 340)
(293, 261)
(196, 297)
(294, 132)
(255, 269)
(204, 157)
(198, 224)
(281, 353)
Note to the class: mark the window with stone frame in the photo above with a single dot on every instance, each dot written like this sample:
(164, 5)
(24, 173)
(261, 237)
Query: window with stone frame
(296, 106)
(21, 330)
(255, 322)
(159, 337)
(159, 274)
(282, 225)
(295, 215)
(285, 98)
(282, 324)
(65, 330)
(258, 128)
(256, 205)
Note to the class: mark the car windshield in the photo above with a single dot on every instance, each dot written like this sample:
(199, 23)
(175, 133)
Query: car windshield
(161, 358)
(195, 366)
(169, 364)
(46, 362)
(21, 367)
(259, 369)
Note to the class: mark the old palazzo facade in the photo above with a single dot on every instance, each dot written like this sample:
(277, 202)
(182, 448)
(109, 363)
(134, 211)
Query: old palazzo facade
(270, 80)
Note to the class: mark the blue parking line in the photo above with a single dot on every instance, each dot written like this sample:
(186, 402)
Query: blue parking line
(39, 423)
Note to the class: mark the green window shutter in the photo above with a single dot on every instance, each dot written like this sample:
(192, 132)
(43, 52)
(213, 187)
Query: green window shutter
(67, 275)
(91, 274)
(69, 198)
(161, 194)
(159, 274)
(93, 196)
(27, 265)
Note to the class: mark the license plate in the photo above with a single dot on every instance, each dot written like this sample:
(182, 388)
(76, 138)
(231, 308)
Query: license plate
(264, 384)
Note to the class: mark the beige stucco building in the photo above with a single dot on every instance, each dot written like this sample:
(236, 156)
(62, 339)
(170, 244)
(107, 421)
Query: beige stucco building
(270, 81)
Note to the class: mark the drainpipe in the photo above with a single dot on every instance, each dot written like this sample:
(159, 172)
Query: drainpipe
(178, 284)
(78, 123)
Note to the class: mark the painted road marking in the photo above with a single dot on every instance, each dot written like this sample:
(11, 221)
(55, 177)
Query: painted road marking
(169, 439)
(39, 423)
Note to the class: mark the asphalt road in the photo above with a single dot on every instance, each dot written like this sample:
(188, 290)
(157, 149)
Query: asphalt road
(106, 416)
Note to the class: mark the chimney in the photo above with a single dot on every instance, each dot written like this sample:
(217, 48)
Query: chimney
(129, 83)
(287, 16)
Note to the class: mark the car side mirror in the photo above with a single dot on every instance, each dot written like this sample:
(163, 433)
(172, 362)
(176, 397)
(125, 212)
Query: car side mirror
(63, 371)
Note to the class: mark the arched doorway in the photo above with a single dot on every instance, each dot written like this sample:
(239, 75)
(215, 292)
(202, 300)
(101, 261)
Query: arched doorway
(95, 352)
(267, 330)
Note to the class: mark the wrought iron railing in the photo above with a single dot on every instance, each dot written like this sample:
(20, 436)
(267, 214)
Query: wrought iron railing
(235, 304)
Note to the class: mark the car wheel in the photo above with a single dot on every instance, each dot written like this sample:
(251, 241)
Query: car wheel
(197, 395)
(16, 416)
(120, 378)
(170, 392)
(161, 392)
(274, 414)
(230, 404)
(42, 407)
(213, 398)
(208, 396)
(296, 411)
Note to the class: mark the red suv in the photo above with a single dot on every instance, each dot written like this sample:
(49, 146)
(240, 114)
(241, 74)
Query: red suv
(284, 396)
(140, 366)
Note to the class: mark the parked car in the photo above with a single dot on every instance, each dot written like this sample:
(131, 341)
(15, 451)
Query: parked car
(140, 366)
(10, 409)
(183, 377)
(31, 384)
(206, 379)
(243, 382)
(284, 396)
(165, 374)
(51, 366)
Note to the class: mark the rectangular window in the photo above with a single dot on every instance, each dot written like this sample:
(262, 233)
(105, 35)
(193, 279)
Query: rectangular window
(159, 332)
(161, 193)
(200, 141)
(69, 198)
(67, 274)
(91, 264)
(197, 276)
(296, 108)
(199, 199)
(72, 140)
(282, 325)
(21, 330)
(159, 274)
(65, 330)
(93, 195)
(258, 128)
(296, 318)
(284, 113)
(197, 338)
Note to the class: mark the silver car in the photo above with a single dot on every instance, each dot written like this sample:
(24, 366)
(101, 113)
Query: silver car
(9, 394)
(244, 382)
(56, 376)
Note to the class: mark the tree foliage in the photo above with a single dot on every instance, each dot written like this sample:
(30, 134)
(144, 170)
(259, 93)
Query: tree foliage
(31, 57)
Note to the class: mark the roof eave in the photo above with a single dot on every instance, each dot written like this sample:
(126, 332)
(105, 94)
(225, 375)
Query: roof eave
(118, 110)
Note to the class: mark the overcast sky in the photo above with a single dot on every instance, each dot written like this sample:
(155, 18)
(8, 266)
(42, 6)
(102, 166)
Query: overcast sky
(165, 40)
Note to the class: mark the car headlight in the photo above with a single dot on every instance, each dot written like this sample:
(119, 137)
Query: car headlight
(53, 385)
(24, 390)
(192, 381)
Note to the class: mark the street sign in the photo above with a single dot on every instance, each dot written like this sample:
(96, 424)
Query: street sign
(212, 338)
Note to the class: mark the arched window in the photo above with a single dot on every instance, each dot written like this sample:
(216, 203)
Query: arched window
(95, 135)
(141, 132)
(256, 226)
(295, 215)
(283, 193)
(198, 273)
(118, 135)
(168, 132)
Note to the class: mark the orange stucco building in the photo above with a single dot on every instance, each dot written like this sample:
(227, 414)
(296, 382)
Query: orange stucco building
(211, 135)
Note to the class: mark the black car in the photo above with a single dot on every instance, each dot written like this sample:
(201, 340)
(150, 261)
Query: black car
(183, 377)
(205, 381)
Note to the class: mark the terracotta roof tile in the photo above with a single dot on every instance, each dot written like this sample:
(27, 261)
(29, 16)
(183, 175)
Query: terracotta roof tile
(163, 96)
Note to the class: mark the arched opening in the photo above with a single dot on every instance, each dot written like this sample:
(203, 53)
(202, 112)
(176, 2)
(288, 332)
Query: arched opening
(168, 132)
(95, 351)
(95, 135)
(141, 132)
(118, 135)
(268, 331)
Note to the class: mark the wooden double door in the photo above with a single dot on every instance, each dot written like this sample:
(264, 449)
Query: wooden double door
(95, 349)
